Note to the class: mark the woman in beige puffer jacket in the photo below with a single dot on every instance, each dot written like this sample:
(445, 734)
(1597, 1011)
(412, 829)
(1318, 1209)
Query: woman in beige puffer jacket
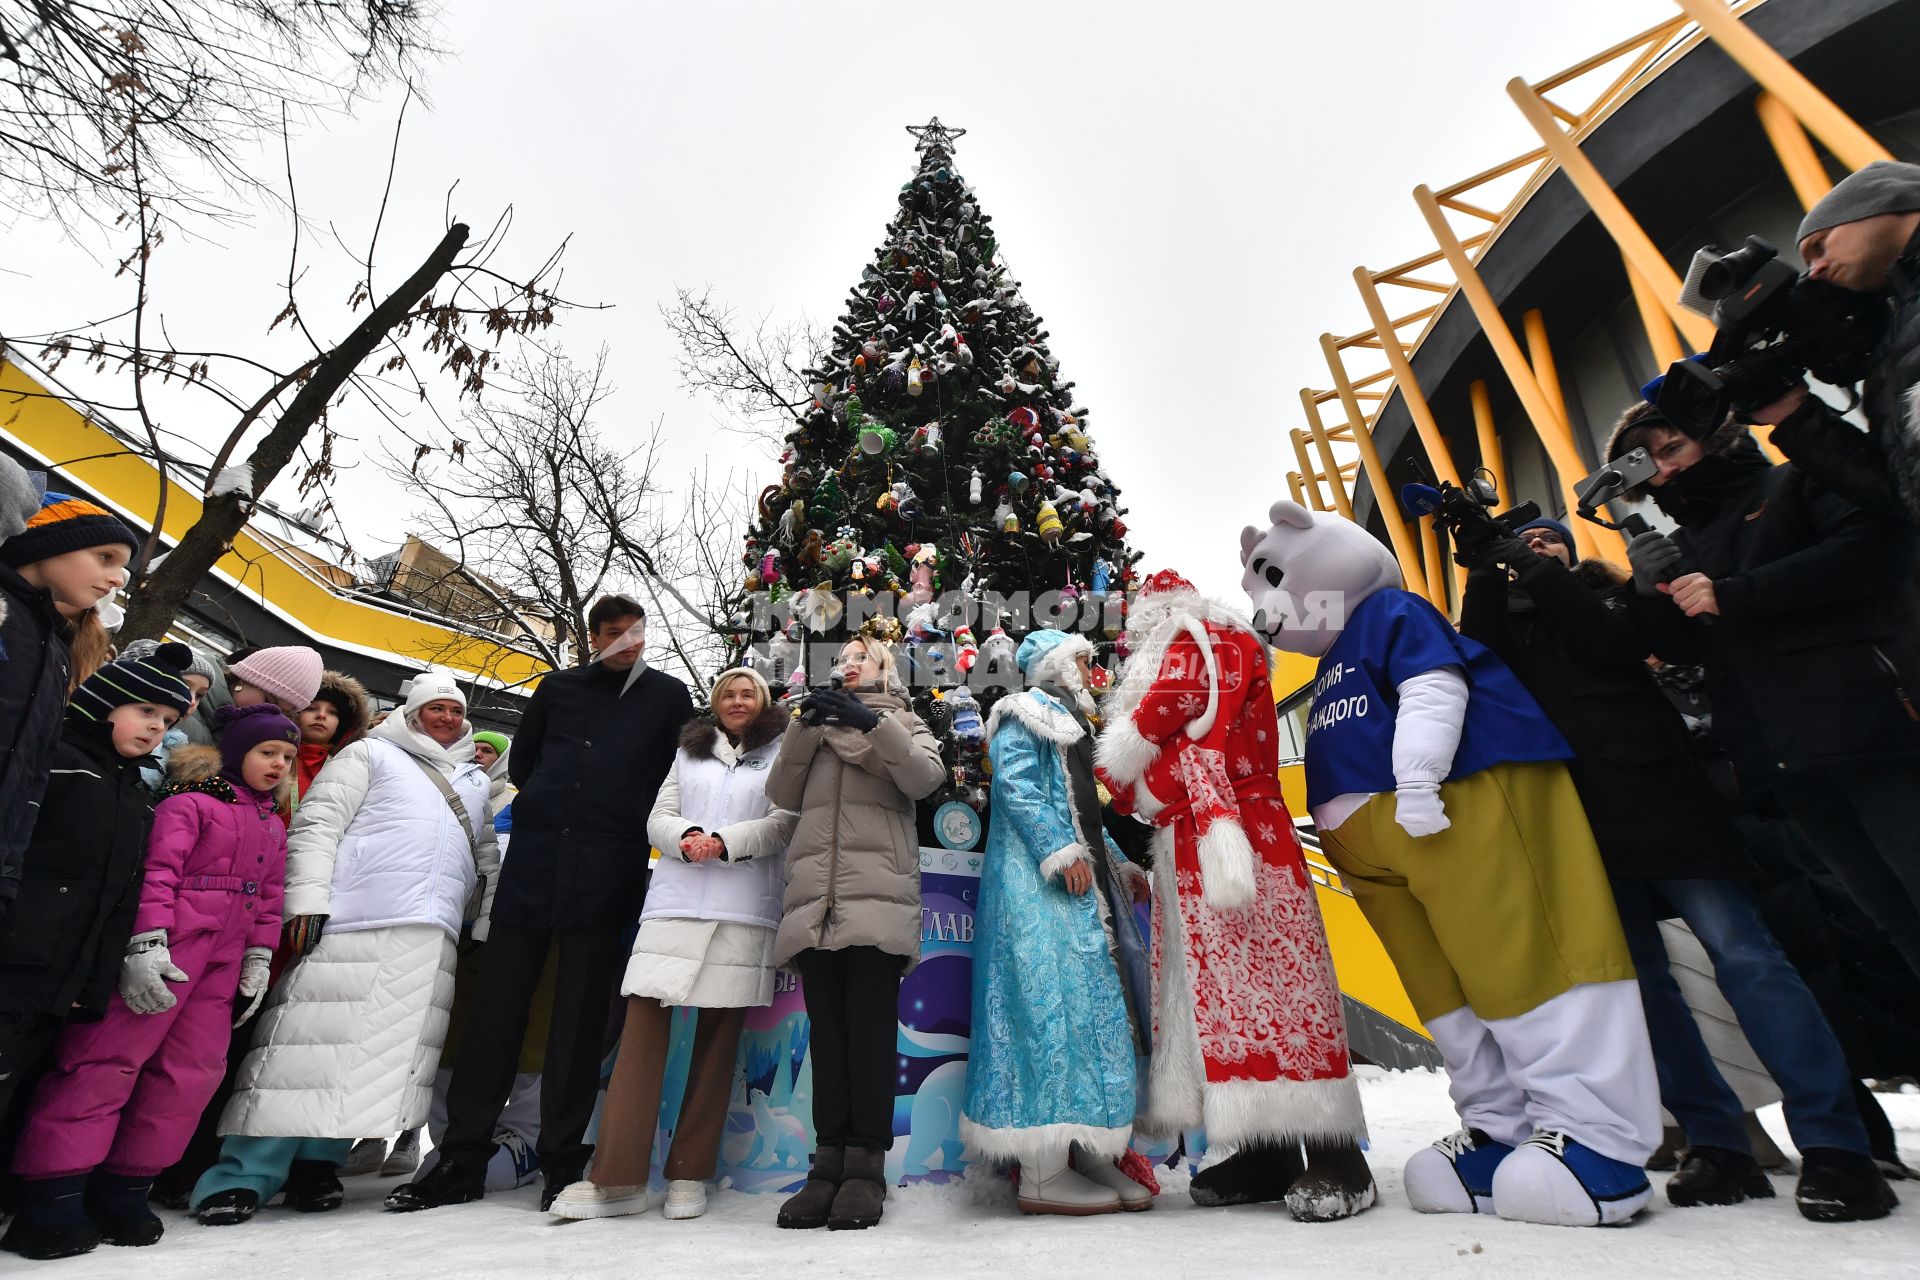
(850, 920)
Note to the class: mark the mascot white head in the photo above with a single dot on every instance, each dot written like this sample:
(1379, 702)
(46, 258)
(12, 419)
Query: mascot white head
(1306, 572)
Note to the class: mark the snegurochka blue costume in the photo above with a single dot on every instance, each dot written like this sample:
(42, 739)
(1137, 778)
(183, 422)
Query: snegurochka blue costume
(1051, 1077)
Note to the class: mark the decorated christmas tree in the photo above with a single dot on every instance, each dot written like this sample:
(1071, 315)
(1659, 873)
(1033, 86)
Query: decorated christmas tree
(941, 488)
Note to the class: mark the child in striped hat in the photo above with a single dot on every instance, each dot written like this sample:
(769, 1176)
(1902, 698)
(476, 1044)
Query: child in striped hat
(61, 947)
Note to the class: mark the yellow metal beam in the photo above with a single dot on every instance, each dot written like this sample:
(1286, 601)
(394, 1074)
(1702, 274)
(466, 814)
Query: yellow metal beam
(1404, 548)
(1854, 146)
(1588, 539)
(1436, 569)
(1795, 149)
(1552, 431)
(1661, 339)
(1632, 239)
(1307, 476)
(1438, 454)
(1335, 480)
(1491, 459)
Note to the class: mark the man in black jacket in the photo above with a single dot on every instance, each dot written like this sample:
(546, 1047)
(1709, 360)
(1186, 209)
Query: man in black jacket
(1566, 632)
(592, 750)
(1864, 235)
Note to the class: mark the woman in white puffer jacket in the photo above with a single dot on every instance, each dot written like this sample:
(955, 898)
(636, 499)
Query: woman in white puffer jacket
(706, 942)
(383, 875)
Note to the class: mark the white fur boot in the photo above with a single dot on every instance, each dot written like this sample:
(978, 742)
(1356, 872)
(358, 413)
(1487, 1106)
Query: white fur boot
(1048, 1186)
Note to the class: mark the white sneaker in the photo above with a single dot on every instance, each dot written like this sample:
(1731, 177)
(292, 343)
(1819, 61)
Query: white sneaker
(365, 1158)
(405, 1156)
(685, 1198)
(1097, 1168)
(580, 1200)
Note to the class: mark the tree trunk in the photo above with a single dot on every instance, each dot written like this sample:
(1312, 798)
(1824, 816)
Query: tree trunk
(160, 598)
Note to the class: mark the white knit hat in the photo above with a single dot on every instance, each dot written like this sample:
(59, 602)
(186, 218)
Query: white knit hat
(759, 682)
(432, 685)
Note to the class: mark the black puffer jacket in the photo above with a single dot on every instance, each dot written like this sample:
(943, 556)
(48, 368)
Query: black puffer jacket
(1878, 470)
(589, 761)
(1815, 657)
(61, 945)
(33, 697)
(1569, 637)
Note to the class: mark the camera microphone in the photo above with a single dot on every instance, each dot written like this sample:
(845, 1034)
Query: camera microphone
(1421, 499)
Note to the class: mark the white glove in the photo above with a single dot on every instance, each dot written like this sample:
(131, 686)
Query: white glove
(255, 969)
(1418, 810)
(146, 971)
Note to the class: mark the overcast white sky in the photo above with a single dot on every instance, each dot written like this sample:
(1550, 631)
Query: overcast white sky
(1183, 191)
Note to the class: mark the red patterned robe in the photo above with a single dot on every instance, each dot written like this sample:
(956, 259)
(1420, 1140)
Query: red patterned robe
(1249, 1036)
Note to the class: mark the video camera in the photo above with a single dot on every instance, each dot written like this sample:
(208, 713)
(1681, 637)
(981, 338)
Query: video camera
(1773, 327)
(1466, 511)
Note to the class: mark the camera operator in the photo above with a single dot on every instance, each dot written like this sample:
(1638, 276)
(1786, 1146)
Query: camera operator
(1802, 609)
(1864, 235)
(1565, 630)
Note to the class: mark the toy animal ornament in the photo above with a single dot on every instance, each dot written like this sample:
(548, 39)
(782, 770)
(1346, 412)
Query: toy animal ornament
(1441, 795)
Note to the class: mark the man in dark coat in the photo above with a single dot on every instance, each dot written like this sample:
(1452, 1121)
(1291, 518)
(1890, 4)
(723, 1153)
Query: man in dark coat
(1566, 632)
(1864, 235)
(592, 750)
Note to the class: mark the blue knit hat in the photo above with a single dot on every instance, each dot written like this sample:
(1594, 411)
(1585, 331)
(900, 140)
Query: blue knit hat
(1547, 522)
(1042, 653)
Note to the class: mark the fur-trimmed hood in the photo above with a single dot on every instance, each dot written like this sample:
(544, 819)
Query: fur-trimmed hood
(698, 736)
(1601, 575)
(193, 763)
(355, 714)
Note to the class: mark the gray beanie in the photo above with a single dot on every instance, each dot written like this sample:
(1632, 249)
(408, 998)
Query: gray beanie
(1885, 186)
(143, 650)
(20, 493)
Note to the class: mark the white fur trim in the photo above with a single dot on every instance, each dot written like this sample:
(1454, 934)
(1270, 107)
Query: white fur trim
(1226, 866)
(1243, 1110)
(1059, 860)
(1175, 1073)
(1041, 1142)
(1123, 751)
(1056, 665)
(1128, 869)
(1041, 714)
(1203, 725)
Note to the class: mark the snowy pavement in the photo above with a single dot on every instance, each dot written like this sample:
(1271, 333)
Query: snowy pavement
(972, 1229)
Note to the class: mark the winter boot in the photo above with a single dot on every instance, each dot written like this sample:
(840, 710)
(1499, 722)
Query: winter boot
(858, 1203)
(228, 1208)
(448, 1182)
(812, 1205)
(1255, 1174)
(1557, 1181)
(117, 1203)
(1047, 1185)
(1336, 1185)
(1839, 1186)
(51, 1220)
(1097, 1168)
(312, 1187)
(1455, 1174)
(365, 1158)
(1714, 1175)
(585, 1200)
(404, 1159)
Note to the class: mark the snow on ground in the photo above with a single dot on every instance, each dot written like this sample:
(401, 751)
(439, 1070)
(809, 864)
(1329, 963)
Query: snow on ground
(973, 1229)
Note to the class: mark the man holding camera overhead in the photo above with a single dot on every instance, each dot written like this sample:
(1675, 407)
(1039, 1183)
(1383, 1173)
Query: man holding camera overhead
(1864, 235)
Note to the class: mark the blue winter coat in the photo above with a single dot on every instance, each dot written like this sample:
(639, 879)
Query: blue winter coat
(1052, 1057)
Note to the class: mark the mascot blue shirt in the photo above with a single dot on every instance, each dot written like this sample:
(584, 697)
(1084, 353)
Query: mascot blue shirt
(1391, 637)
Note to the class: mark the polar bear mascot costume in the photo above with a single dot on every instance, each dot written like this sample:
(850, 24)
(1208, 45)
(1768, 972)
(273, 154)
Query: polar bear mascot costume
(1441, 796)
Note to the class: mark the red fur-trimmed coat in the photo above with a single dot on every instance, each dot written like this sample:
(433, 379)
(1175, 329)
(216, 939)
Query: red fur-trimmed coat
(1249, 1036)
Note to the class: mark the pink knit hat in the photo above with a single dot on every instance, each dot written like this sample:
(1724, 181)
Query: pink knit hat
(291, 673)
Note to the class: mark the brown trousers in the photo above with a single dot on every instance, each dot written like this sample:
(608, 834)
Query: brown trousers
(632, 1111)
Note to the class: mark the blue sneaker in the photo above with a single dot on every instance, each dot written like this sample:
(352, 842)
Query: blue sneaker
(1553, 1179)
(513, 1157)
(1455, 1174)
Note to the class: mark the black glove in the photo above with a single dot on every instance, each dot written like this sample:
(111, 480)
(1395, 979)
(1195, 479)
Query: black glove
(1656, 559)
(302, 933)
(1493, 552)
(837, 706)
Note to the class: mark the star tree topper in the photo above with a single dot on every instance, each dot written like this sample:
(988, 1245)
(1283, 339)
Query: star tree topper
(934, 136)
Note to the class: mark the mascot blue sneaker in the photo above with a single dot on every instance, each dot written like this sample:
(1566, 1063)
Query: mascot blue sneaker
(1441, 795)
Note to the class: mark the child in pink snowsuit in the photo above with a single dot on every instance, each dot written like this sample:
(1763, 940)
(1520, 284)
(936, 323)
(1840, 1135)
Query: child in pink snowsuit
(124, 1093)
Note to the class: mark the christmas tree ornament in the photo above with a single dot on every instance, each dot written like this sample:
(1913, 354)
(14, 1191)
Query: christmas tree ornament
(925, 561)
(1047, 524)
(1024, 418)
(966, 649)
(1006, 519)
(916, 377)
(1017, 481)
(1102, 578)
(813, 550)
(997, 652)
(770, 568)
(974, 487)
(967, 724)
